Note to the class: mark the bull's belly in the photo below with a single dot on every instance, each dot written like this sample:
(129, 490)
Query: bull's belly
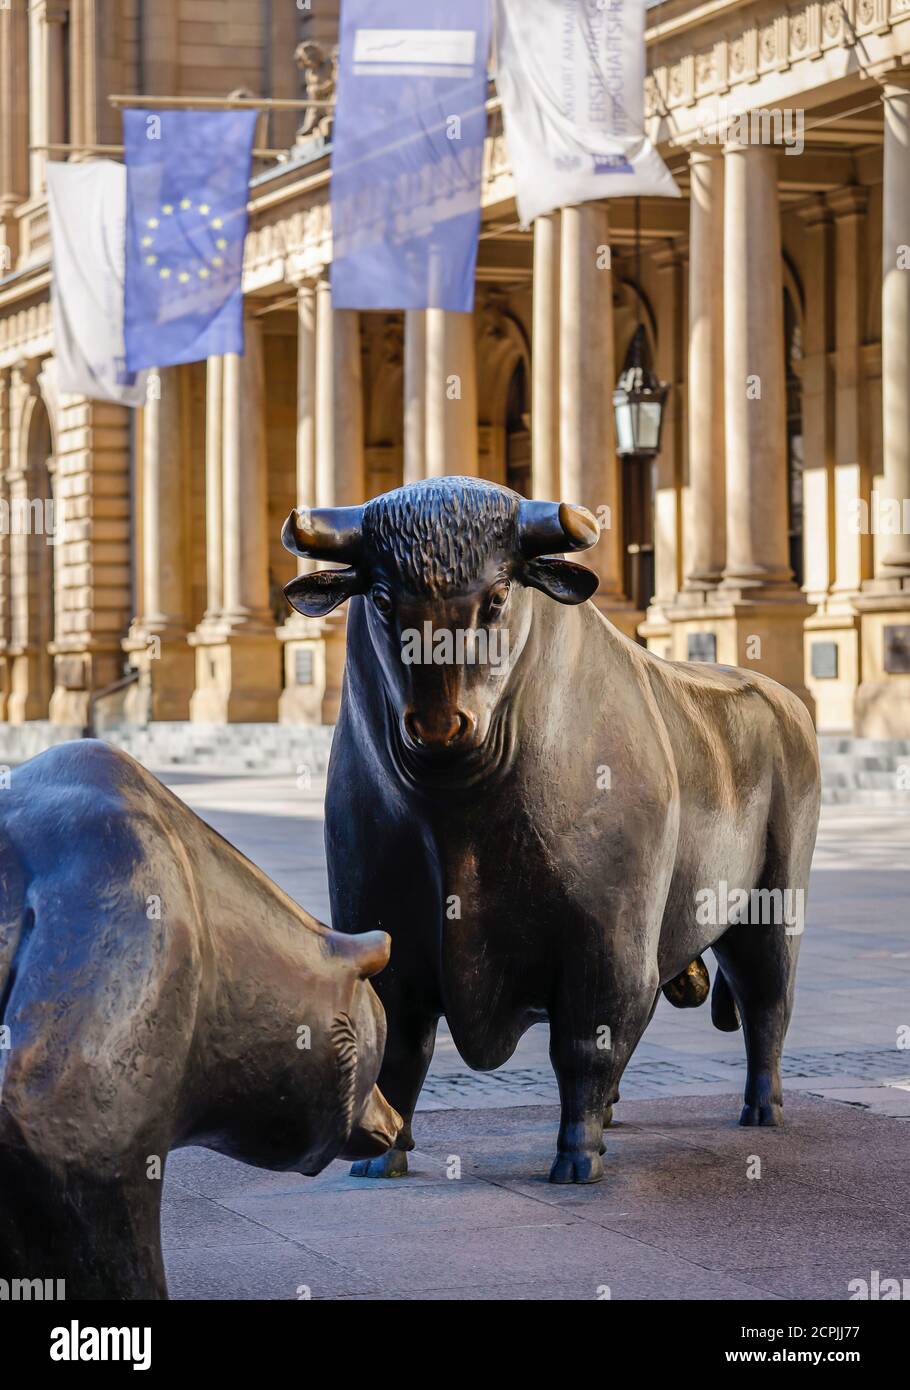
(697, 912)
(486, 1041)
(491, 994)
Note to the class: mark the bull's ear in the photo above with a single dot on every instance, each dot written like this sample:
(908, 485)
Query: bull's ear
(560, 579)
(317, 594)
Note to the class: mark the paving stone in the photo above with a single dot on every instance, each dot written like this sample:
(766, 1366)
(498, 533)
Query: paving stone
(274, 1269)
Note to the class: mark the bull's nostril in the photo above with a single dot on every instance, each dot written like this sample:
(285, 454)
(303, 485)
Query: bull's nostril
(445, 731)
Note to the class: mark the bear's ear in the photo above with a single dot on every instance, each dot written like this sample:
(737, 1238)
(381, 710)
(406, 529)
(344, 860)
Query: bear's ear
(560, 579)
(317, 594)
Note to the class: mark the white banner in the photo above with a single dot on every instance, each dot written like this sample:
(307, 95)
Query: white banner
(87, 205)
(571, 77)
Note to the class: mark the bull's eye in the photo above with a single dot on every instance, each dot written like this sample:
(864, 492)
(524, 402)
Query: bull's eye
(498, 597)
(382, 602)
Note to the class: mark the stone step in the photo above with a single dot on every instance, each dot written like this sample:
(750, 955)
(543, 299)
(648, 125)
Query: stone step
(865, 771)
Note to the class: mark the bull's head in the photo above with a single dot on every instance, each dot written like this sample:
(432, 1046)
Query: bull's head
(446, 568)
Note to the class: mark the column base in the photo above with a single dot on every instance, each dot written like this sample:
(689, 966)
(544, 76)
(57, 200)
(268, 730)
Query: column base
(238, 675)
(29, 695)
(4, 686)
(303, 655)
(757, 631)
(621, 612)
(882, 708)
(832, 647)
(167, 669)
(657, 631)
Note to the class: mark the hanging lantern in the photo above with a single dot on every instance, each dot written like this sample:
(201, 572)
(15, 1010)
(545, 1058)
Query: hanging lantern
(638, 402)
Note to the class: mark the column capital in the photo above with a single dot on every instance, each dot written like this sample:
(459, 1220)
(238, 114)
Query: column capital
(895, 85)
(706, 153)
(814, 213)
(850, 201)
(670, 253)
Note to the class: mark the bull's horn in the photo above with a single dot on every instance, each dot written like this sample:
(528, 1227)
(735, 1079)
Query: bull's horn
(324, 533)
(368, 951)
(549, 528)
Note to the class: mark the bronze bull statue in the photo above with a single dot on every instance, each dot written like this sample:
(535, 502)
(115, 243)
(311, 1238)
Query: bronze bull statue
(156, 989)
(542, 833)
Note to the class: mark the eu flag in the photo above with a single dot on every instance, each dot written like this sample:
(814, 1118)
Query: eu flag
(188, 173)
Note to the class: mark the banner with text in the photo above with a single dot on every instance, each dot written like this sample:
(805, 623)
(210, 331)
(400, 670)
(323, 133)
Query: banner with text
(571, 77)
(407, 153)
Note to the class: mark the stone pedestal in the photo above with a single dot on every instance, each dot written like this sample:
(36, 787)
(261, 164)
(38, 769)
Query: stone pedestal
(237, 675)
(167, 669)
(303, 650)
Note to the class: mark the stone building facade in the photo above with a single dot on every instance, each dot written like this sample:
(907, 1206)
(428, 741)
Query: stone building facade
(775, 298)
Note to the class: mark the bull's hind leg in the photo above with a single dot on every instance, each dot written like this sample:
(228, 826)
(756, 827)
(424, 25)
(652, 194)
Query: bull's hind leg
(758, 959)
(408, 1052)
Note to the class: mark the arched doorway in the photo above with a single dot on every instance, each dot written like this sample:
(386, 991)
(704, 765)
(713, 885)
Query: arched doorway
(794, 389)
(518, 431)
(33, 551)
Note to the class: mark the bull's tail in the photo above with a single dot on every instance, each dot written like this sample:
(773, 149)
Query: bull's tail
(724, 1013)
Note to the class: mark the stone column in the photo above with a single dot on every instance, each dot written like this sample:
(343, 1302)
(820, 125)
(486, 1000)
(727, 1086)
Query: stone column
(818, 400)
(415, 394)
(300, 701)
(4, 538)
(237, 662)
(894, 562)
(451, 394)
(340, 474)
(545, 361)
(47, 85)
(14, 137)
(760, 611)
(157, 644)
(705, 513)
(668, 466)
(754, 384)
(589, 467)
(883, 699)
(214, 529)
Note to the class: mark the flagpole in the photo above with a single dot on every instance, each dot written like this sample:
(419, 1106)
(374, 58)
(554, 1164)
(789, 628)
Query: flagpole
(120, 149)
(222, 103)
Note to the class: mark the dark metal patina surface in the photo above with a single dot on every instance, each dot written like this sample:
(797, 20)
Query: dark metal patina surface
(536, 836)
(157, 989)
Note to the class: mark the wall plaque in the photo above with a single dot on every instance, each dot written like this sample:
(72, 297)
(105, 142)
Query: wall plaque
(702, 646)
(824, 661)
(303, 666)
(897, 649)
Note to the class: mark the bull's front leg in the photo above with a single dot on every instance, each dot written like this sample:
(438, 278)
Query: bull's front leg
(593, 1033)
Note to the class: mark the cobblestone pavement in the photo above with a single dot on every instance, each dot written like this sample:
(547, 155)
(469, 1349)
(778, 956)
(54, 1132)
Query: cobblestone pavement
(682, 1213)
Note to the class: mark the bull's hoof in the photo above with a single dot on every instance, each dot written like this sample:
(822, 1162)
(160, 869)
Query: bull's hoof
(771, 1114)
(578, 1165)
(392, 1164)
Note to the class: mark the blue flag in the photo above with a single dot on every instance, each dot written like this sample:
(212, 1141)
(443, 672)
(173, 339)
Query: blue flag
(188, 173)
(407, 153)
